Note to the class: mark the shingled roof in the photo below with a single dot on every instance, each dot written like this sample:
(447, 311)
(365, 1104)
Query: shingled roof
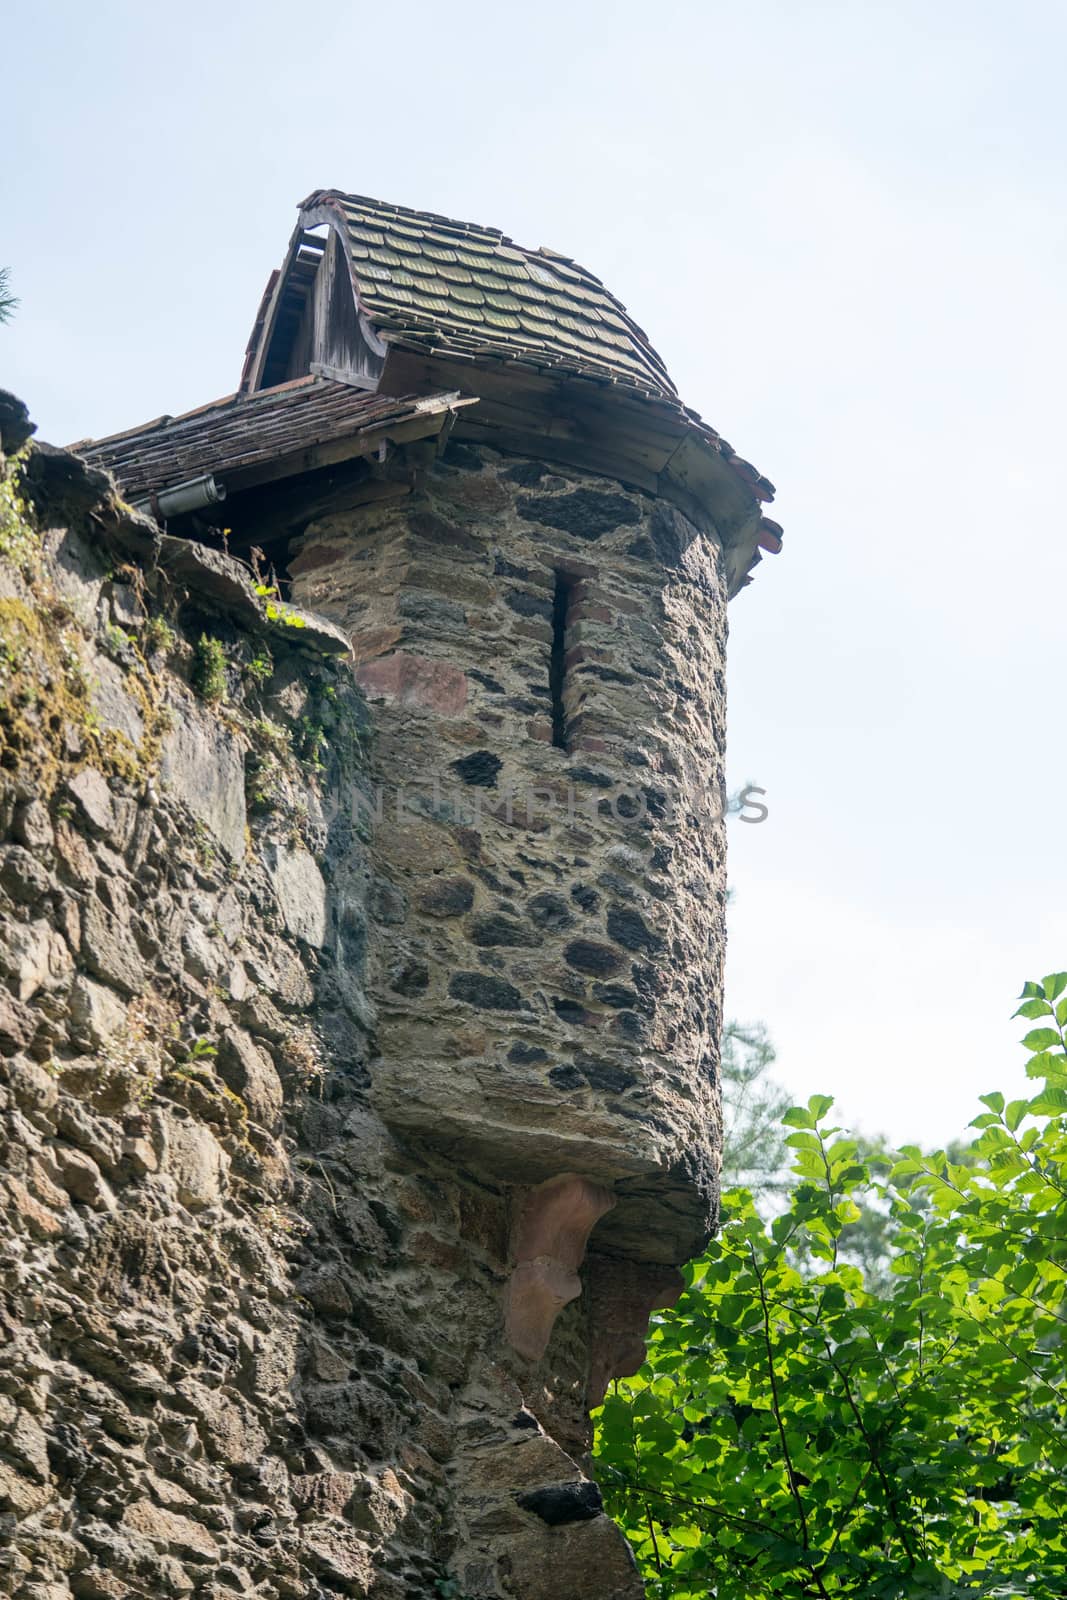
(526, 350)
(457, 287)
(249, 439)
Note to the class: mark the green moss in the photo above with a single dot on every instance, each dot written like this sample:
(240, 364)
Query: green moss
(209, 669)
(47, 722)
(270, 736)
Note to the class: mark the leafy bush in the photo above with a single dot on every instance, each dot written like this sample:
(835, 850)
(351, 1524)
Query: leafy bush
(799, 1432)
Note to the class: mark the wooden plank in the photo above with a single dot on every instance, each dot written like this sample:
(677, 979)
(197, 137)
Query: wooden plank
(311, 458)
(355, 380)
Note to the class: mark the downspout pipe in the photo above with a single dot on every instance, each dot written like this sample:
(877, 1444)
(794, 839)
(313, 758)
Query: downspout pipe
(193, 495)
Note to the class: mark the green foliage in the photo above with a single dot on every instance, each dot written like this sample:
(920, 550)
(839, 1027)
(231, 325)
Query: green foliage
(259, 669)
(209, 669)
(755, 1154)
(8, 302)
(201, 1049)
(312, 742)
(19, 541)
(118, 643)
(276, 609)
(159, 636)
(799, 1431)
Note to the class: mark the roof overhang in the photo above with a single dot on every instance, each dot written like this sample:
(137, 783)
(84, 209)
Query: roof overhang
(654, 446)
(533, 400)
(248, 440)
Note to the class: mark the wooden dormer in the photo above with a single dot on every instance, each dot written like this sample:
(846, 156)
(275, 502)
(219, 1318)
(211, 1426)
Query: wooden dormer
(309, 321)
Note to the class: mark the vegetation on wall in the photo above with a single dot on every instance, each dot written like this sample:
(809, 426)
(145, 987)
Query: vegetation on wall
(209, 669)
(802, 1428)
(19, 540)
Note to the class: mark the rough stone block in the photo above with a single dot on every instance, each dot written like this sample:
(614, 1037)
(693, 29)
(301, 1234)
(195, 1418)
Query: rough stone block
(112, 701)
(301, 891)
(182, 1534)
(36, 957)
(82, 1178)
(92, 798)
(96, 1012)
(249, 1071)
(18, 1023)
(195, 1160)
(109, 951)
(22, 876)
(202, 765)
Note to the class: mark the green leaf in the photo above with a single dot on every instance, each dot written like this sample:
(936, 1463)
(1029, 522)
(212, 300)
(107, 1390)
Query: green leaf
(994, 1100)
(1041, 1039)
(1030, 1009)
(1050, 1102)
(819, 1105)
(798, 1117)
(1015, 1113)
(1054, 985)
(805, 1141)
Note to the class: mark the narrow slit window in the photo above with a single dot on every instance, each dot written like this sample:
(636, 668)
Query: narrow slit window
(557, 667)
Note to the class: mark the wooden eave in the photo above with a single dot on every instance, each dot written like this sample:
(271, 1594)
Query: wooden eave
(649, 445)
(247, 440)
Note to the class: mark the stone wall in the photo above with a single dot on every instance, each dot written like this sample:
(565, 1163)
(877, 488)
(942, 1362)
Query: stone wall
(292, 1217)
(550, 926)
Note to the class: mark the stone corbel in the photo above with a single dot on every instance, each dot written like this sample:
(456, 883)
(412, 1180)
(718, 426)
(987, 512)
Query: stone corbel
(548, 1243)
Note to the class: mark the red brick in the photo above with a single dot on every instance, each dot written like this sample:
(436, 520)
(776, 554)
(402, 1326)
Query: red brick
(410, 680)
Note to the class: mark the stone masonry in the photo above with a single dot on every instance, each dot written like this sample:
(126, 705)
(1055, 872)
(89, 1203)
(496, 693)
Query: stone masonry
(361, 933)
(547, 963)
(309, 1113)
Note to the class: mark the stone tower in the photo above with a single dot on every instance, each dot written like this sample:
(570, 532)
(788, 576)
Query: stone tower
(502, 892)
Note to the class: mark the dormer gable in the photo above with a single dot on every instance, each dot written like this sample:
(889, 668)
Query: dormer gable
(309, 320)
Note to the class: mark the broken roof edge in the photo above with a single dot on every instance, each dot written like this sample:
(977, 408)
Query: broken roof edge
(654, 445)
(285, 430)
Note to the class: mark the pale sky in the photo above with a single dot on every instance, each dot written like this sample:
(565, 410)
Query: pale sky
(844, 227)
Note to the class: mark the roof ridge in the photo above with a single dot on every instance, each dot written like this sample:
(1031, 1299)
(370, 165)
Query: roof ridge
(389, 208)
